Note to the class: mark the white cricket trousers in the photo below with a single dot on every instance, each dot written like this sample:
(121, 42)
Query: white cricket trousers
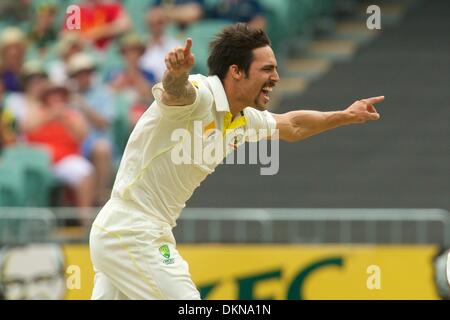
(135, 257)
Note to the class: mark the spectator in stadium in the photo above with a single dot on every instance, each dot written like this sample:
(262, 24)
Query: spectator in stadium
(15, 12)
(61, 130)
(248, 11)
(43, 32)
(34, 81)
(7, 121)
(103, 21)
(180, 12)
(2, 115)
(132, 81)
(95, 101)
(158, 45)
(12, 53)
(69, 44)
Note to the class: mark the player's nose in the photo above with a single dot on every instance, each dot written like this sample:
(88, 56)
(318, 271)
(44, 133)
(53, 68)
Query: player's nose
(275, 77)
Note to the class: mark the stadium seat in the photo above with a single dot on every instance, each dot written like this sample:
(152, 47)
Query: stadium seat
(202, 33)
(323, 15)
(12, 184)
(294, 21)
(120, 126)
(137, 11)
(36, 166)
(107, 60)
(279, 24)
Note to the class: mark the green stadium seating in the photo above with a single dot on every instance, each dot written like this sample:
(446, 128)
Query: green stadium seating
(108, 60)
(137, 10)
(290, 20)
(210, 4)
(35, 164)
(12, 184)
(278, 21)
(202, 33)
(323, 13)
(121, 128)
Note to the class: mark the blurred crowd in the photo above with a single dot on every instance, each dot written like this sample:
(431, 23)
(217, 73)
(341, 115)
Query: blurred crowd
(67, 88)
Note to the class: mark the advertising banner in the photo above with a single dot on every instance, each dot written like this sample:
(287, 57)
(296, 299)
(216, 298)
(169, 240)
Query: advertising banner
(50, 271)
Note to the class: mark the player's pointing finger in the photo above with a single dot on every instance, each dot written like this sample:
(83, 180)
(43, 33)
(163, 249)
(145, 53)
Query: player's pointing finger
(187, 47)
(374, 100)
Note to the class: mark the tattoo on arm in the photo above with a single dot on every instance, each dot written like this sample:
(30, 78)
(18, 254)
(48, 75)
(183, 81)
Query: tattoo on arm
(178, 90)
(175, 86)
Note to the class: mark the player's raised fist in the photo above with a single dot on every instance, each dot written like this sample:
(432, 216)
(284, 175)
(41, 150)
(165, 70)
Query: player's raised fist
(364, 110)
(180, 60)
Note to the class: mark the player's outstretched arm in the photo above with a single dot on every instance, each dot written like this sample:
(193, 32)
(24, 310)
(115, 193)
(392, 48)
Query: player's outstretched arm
(301, 124)
(178, 91)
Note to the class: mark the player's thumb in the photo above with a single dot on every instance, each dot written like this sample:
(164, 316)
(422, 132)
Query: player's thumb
(374, 116)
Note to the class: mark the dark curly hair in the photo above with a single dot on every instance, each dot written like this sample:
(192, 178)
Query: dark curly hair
(234, 45)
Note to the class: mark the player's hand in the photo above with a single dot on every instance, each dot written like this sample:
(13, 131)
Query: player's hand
(364, 110)
(180, 60)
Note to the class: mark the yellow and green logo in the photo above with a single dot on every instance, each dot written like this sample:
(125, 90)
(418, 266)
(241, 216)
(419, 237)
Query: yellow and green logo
(165, 252)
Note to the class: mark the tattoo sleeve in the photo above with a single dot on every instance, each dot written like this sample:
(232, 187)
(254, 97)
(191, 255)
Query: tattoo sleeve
(178, 91)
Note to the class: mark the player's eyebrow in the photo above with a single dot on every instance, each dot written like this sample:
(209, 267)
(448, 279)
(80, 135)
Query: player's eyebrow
(269, 66)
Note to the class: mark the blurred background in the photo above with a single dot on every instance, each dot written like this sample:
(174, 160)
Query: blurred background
(360, 212)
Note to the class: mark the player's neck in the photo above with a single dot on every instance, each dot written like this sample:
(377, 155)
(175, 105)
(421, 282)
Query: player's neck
(236, 110)
(235, 103)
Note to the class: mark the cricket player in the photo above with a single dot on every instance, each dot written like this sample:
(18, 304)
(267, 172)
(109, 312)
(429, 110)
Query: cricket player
(132, 246)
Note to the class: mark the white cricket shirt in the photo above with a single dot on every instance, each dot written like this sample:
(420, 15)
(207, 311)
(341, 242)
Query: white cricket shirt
(149, 180)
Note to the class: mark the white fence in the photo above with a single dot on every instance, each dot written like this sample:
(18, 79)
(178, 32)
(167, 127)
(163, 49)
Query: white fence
(239, 225)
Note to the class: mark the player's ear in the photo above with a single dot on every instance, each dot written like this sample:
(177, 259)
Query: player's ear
(235, 73)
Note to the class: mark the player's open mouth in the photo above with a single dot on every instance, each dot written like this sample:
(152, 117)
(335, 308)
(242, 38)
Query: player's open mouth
(265, 92)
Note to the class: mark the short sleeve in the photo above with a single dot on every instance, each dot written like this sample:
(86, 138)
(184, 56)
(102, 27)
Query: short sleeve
(182, 113)
(260, 124)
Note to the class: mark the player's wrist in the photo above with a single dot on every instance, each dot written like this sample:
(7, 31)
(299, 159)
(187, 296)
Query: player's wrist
(175, 74)
(347, 117)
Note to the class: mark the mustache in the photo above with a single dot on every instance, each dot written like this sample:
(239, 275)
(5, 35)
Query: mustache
(269, 84)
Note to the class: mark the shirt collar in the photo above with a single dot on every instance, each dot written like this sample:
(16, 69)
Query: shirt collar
(218, 92)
